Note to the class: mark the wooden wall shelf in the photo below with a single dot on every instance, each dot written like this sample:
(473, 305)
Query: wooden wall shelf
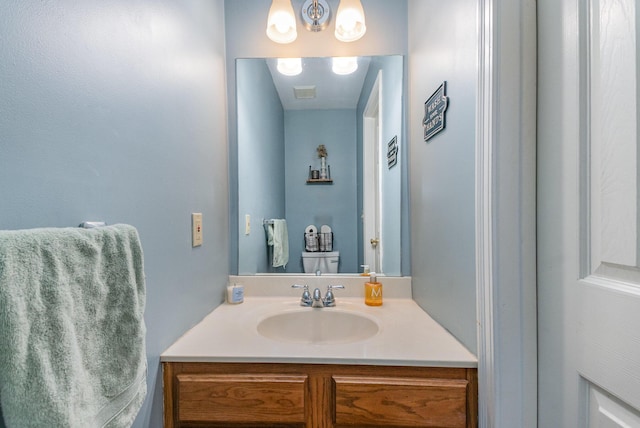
(320, 181)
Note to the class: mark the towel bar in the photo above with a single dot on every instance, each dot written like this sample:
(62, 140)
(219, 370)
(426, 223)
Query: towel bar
(92, 224)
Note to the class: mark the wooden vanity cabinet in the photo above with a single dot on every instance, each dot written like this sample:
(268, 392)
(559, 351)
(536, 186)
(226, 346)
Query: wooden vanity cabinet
(318, 396)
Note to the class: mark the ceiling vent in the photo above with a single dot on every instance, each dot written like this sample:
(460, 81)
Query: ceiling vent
(304, 92)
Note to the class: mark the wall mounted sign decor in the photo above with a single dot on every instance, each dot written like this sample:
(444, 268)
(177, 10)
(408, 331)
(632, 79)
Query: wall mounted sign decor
(434, 109)
(392, 152)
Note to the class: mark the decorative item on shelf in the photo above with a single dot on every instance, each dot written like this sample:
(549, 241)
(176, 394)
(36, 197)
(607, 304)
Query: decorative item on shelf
(322, 154)
(314, 174)
(323, 175)
(322, 151)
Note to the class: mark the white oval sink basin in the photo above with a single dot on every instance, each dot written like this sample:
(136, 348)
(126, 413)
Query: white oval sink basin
(318, 326)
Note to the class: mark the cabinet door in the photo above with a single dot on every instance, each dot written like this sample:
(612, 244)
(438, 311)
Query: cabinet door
(400, 402)
(253, 399)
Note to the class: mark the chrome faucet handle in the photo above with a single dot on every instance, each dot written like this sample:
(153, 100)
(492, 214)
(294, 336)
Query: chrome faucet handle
(305, 300)
(329, 298)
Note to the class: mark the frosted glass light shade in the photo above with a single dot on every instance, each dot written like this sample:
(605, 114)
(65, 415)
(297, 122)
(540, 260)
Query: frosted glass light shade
(344, 65)
(350, 24)
(290, 66)
(281, 23)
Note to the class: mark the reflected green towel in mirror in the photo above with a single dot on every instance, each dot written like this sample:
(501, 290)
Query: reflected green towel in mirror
(278, 238)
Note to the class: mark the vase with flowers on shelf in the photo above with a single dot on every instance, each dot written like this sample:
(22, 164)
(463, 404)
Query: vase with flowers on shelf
(322, 154)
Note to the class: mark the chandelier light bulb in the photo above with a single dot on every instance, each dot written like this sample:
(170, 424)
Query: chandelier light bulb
(350, 22)
(281, 23)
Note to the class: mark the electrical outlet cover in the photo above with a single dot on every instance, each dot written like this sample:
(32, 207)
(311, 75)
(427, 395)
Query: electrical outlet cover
(196, 229)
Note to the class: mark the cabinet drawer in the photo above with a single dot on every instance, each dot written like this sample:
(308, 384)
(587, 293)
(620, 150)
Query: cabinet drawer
(247, 399)
(400, 402)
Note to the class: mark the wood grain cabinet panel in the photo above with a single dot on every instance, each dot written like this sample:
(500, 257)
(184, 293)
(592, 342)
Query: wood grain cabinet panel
(248, 399)
(400, 402)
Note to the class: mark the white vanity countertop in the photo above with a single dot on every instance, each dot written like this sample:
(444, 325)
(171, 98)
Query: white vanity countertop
(408, 337)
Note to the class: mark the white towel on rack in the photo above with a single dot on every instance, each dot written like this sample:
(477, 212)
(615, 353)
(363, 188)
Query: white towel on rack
(279, 239)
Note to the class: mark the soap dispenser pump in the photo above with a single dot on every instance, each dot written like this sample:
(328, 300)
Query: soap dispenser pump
(373, 291)
(365, 270)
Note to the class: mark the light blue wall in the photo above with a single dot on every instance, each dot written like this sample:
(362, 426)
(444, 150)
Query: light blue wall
(261, 162)
(115, 111)
(442, 171)
(332, 204)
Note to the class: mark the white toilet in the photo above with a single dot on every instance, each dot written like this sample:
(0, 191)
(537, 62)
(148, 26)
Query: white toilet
(325, 262)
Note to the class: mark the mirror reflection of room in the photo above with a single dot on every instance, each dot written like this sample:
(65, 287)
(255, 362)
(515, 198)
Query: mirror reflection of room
(312, 154)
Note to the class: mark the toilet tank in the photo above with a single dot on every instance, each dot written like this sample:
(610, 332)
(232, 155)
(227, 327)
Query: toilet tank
(325, 262)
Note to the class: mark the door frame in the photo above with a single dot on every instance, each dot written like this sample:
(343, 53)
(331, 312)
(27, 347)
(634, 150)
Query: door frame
(371, 190)
(505, 213)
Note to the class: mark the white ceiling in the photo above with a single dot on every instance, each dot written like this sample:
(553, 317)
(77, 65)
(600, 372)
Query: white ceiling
(332, 91)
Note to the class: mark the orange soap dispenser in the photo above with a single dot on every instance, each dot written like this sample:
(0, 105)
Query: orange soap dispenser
(373, 291)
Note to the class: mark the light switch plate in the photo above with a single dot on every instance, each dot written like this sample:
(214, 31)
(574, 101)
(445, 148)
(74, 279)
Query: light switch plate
(247, 224)
(196, 229)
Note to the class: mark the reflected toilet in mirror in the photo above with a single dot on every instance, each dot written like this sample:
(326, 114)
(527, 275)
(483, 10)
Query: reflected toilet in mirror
(323, 261)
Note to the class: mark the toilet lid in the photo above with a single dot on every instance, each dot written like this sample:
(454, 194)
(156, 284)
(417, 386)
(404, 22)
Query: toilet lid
(319, 254)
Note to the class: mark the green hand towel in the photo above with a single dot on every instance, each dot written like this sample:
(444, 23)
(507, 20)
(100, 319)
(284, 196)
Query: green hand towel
(279, 238)
(72, 348)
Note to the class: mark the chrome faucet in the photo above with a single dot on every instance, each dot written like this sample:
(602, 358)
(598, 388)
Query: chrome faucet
(305, 299)
(315, 300)
(329, 298)
(318, 302)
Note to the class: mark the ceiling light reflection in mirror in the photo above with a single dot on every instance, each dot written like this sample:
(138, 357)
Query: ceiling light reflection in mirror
(290, 66)
(344, 65)
(339, 65)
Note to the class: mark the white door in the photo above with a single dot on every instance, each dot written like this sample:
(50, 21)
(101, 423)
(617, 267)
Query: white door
(371, 179)
(588, 206)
